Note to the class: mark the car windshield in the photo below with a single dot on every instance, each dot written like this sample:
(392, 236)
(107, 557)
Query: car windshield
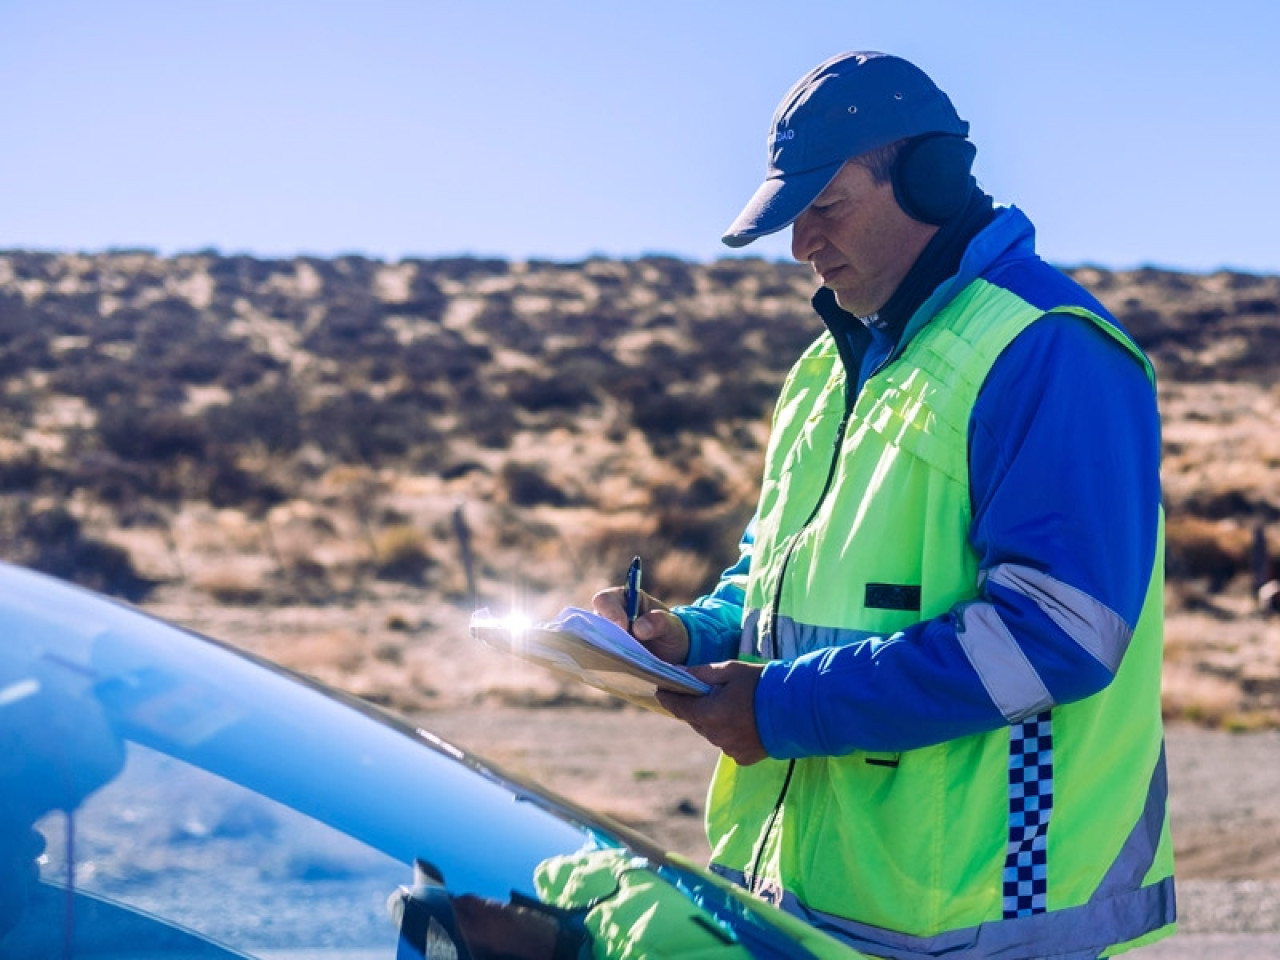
(177, 796)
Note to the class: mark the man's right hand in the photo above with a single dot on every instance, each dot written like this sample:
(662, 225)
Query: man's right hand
(656, 627)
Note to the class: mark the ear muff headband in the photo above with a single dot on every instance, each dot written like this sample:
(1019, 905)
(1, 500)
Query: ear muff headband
(931, 176)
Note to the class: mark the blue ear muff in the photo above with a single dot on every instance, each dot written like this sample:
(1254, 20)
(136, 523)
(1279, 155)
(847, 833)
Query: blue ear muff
(931, 176)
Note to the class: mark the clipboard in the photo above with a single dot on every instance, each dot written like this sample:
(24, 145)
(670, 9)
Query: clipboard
(584, 646)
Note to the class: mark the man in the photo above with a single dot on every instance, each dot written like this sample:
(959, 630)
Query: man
(936, 665)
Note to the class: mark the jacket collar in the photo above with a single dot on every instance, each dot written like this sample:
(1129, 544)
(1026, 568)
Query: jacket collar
(1008, 234)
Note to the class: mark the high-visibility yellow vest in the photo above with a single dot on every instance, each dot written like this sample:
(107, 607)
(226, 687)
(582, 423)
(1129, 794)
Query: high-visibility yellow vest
(913, 854)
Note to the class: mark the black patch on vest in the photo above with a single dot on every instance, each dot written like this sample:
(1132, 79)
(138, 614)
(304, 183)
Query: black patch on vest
(881, 762)
(892, 596)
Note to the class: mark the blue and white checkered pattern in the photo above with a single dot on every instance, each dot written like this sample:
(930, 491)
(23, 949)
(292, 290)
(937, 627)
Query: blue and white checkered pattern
(1026, 872)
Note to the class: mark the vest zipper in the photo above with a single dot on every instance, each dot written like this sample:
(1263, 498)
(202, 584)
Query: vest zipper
(848, 361)
(774, 609)
(753, 879)
(776, 604)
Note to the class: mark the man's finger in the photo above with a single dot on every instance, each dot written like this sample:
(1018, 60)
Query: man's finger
(679, 705)
(608, 603)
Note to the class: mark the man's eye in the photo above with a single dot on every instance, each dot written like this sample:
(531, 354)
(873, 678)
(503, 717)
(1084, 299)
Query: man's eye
(824, 210)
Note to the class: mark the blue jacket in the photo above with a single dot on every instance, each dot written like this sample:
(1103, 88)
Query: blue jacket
(1064, 451)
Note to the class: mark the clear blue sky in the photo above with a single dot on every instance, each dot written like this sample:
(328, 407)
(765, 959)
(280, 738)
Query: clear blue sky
(1132, 131)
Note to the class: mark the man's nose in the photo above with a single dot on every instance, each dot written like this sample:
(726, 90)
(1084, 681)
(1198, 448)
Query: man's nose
(805, 239)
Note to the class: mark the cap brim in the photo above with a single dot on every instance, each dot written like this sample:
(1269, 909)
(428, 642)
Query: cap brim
(777, 203)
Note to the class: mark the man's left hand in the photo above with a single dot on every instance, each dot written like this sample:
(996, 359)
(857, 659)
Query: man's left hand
(726, 717)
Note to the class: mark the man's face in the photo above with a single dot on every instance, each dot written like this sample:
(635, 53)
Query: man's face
(858, 240)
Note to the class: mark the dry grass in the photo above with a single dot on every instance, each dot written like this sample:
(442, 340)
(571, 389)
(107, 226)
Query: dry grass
(1191, 694)
(235, 585)
(299, 460)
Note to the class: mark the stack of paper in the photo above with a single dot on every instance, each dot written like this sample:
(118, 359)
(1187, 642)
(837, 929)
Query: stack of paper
(587, 647)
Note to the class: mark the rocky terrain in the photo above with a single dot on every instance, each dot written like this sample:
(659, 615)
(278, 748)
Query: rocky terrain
(332, 462)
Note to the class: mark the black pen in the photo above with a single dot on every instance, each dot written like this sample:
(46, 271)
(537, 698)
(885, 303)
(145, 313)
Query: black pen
(632, 595)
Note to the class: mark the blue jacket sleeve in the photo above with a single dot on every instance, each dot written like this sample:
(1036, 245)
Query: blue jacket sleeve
(1064, 458)
(714, 622)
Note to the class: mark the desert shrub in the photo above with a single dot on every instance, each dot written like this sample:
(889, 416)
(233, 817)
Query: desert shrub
(351, 332)
(15, 319)
(426, 300)
(453, 469)
(17, 407)
(246, 368)
(701, 490)
(97, 378)
(28, 351)
(224, 483)
(267, 416)
(140, 433)
(499, 321)
(22, 473)
(119, 326)
(1256, 305)
(713, 534)
(165, 322)
(786, 337)
(201, 359)
(54, 545)
(672, 277)
(445, 355)
(150, 434)
(527, 486)
(240, 273)
(778, 282)
(111, 479)
(744, 398)
(401, 554)
(462, 268)
(729, 272)
(1229, 503)
(50, 527)
(607, 274)
(556, 390)
(357, 428)
(484, 418)
(1197, 548)
(1161, 279)
(587, 362)
(59, 314)
(665, 415)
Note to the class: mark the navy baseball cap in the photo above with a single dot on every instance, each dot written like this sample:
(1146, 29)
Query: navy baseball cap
(844, 107)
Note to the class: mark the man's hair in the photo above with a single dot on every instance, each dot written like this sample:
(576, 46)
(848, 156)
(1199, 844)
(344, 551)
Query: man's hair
(879, 162)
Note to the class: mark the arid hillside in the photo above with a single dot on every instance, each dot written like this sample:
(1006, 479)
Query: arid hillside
(330, 461)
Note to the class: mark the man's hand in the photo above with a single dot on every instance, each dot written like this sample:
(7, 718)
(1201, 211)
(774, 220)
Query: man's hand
(725, 717)
(656, 627)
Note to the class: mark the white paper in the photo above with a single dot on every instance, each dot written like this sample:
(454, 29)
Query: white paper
(587, 647)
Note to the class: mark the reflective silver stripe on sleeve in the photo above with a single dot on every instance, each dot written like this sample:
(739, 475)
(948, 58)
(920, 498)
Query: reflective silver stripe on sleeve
(794, 639)
(1094, 626)
(1010, 680)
